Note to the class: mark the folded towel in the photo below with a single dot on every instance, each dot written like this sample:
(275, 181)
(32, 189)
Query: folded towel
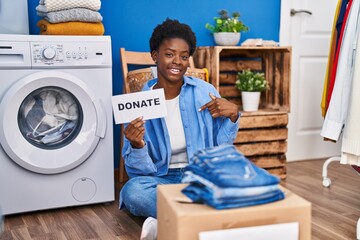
(70, 28)
(57, 5)
(259, 42)
(71, 15)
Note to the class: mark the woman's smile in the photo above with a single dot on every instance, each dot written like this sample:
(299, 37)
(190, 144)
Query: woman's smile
(175, 71)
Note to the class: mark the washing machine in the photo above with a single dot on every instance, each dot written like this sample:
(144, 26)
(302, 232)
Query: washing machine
(56, 129)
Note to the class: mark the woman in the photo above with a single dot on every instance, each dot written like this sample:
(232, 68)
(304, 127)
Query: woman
(156, 151)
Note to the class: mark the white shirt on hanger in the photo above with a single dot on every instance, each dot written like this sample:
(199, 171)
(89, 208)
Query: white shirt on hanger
(338, 107)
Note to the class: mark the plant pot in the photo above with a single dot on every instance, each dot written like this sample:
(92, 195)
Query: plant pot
(227, 38)
(250, 101)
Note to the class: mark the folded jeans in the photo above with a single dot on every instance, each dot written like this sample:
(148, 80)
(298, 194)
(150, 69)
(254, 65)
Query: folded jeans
(239, 173)
(229, 169)
(201, 195)
(223, 193)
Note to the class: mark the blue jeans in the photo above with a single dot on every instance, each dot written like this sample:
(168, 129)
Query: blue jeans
(226, 167)
(138, 195)
(228, 192)
(223, 178)
(202, 195)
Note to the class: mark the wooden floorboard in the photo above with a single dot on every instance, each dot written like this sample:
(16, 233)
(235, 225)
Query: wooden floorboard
(335, 210)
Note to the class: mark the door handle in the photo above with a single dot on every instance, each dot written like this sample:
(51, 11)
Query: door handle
(293, 12)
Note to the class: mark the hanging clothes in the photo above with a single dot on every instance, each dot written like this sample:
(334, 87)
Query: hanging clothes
(341, 19)
(338, 106)
(333, 45)
(343, 24)
(350, 148)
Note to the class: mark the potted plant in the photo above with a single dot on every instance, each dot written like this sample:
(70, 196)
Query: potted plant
(251, 84)
(227, 30)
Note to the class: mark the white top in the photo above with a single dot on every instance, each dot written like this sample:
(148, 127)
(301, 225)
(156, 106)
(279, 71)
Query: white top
(176, 133)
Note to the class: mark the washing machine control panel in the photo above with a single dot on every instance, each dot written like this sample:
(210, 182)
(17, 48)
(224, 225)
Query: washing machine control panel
(49, 53)
(70, 54)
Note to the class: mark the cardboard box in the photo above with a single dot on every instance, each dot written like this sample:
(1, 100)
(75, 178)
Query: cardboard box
(183, 221)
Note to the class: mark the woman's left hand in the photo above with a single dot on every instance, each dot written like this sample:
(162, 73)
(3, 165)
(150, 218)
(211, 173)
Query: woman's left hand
(220, 107)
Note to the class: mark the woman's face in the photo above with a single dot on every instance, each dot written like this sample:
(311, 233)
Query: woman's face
(172, 60)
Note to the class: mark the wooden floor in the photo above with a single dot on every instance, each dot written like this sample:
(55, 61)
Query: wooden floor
(335, 210)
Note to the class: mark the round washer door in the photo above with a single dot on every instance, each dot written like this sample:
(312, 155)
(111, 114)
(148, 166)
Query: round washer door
(38, 134)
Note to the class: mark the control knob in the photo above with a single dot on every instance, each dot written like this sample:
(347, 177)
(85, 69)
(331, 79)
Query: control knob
(49, 53)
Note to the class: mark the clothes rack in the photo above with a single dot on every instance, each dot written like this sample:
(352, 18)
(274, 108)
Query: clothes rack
(339, 101)
(327, 182)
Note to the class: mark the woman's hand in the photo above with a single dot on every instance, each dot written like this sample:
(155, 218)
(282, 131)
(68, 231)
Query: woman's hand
(135, 132)
(220, 107)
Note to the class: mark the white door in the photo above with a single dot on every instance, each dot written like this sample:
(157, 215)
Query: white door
(309, 33)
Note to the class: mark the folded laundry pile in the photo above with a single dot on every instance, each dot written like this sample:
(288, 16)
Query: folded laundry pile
(70, 17)
(224, 178)
(259, 42)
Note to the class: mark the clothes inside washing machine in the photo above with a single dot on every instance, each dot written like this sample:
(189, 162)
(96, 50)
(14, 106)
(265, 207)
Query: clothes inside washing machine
(50, 117)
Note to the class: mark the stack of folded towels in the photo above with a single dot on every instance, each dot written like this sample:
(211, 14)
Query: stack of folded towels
(223, 178)
(70, 17)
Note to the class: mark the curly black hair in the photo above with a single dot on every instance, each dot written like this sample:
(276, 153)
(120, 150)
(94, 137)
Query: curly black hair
(172, 29)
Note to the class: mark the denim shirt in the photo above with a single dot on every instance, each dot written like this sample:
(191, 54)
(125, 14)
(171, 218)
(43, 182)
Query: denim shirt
(201, 131)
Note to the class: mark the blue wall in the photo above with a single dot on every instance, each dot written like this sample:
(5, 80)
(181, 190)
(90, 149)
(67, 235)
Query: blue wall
(130, 24)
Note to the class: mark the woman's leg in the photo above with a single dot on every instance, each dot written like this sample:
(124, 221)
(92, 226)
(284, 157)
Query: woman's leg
(138, 194)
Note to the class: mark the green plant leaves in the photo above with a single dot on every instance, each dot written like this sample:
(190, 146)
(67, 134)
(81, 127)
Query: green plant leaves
(250, 81)
(224, 23)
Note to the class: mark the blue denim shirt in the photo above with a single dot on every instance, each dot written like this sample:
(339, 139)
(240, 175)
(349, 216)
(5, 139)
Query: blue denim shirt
(201, 131)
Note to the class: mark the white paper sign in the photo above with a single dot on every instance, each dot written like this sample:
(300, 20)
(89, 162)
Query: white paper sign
(149, 104)
(288, 231)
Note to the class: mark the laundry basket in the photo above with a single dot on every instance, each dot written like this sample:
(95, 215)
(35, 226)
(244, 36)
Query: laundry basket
(137, 78)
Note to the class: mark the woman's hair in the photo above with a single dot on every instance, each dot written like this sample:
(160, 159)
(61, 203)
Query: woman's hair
(172, 29)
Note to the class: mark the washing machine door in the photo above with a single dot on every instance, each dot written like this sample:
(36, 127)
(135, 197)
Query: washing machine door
(50, 122)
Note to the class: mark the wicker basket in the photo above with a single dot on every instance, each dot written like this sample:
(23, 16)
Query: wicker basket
(200, 73)
(137, 78)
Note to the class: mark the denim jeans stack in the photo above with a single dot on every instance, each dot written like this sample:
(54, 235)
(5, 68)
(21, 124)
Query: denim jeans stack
(223, 178)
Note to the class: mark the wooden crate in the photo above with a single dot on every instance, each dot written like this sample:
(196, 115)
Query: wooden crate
(262, 134)
(262, 138)
(223, 63)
